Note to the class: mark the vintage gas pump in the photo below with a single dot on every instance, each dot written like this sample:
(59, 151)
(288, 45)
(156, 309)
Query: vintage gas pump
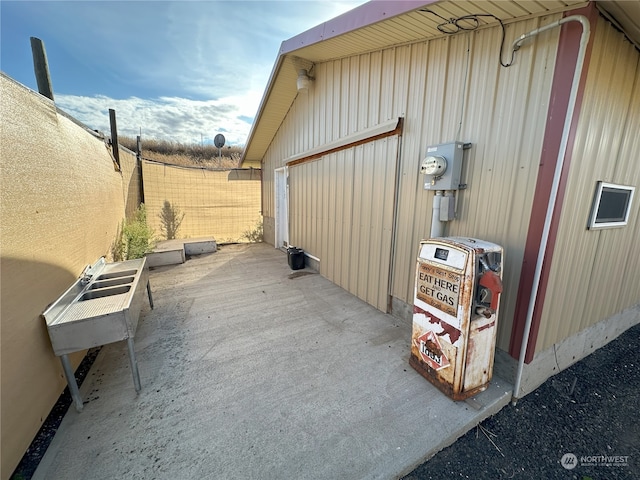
(457, 294)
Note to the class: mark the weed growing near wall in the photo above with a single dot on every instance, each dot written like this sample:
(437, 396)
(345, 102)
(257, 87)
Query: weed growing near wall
(134, 238)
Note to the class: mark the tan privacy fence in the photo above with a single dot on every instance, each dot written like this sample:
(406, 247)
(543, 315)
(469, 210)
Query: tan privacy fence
(62, 201)
(224, 204)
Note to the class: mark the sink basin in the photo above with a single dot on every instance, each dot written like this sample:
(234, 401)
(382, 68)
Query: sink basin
(111, 283)
(103, 311)
(123, 273)
(105, 292)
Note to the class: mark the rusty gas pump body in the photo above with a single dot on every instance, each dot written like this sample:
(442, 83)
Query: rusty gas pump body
(455, 312)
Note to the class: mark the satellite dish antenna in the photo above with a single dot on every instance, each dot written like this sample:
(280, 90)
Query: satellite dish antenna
(218, 141)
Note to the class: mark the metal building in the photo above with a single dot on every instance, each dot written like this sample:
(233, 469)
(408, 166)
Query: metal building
(548, 96)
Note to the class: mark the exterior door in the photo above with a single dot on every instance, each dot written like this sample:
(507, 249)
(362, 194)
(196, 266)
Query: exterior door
(282, 207)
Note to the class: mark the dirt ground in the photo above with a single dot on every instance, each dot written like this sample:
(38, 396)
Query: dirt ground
(583, 423)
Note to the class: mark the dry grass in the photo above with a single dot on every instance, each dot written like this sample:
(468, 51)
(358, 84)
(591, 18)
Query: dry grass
(189, 161)
(174, 153)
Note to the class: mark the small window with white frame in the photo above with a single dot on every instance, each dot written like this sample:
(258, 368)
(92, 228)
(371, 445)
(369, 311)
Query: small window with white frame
(611, 206)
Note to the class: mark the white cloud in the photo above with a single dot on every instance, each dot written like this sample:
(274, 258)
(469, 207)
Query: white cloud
(179, 71)
(195, 49)
(168, 118)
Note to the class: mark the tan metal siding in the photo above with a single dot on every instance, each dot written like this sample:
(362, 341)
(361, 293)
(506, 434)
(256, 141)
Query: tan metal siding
(503, 116)
(336, 111)
(586, 282)
(444, 95)
(351, 40)
(341, 211)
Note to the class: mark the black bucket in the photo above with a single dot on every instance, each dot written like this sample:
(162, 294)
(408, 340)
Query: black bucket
(295, 257)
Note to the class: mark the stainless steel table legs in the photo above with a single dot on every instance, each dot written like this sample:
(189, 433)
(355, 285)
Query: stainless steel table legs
(71, 381)
(73, 385)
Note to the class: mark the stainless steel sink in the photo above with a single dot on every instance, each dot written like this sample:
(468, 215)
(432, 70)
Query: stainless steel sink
(111, 283)
(124, 273)
(101, 307)
(104, 292)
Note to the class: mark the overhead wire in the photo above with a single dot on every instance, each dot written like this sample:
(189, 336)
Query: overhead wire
(469, 23)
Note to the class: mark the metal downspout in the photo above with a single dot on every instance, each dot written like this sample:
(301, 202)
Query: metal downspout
(584, 40)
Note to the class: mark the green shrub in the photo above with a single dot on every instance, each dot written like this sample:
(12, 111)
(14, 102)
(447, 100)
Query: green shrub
(117, 247)
(170, 219)
(134, 238)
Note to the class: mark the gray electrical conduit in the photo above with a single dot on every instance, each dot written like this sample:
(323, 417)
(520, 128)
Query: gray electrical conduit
(584, 40)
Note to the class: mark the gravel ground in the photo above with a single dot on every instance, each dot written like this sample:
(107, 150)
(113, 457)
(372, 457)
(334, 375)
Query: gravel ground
(586, 417)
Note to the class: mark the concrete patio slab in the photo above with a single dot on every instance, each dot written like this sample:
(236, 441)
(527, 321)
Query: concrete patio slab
(253, 371)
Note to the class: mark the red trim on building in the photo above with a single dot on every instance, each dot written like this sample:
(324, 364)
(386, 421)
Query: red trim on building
(566, 58)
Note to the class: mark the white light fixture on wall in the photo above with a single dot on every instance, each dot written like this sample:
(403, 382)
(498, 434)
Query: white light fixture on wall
(303, 80)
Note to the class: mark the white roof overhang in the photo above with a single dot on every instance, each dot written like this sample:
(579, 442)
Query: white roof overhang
(380, 24)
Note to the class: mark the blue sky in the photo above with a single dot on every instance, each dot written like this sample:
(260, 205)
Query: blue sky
(175, 70)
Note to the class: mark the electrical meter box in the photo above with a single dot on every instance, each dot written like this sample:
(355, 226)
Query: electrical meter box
(442, 166)
(455, 313)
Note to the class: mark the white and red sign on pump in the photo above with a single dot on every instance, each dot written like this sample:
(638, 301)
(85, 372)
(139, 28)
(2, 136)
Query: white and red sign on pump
(431, 351)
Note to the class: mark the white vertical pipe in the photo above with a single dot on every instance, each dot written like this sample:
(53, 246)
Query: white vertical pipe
(437, 227)
(584, 40)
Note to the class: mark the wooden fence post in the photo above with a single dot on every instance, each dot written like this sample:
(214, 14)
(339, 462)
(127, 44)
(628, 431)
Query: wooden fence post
(139, 158)
(41, 67)
(114, 136)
